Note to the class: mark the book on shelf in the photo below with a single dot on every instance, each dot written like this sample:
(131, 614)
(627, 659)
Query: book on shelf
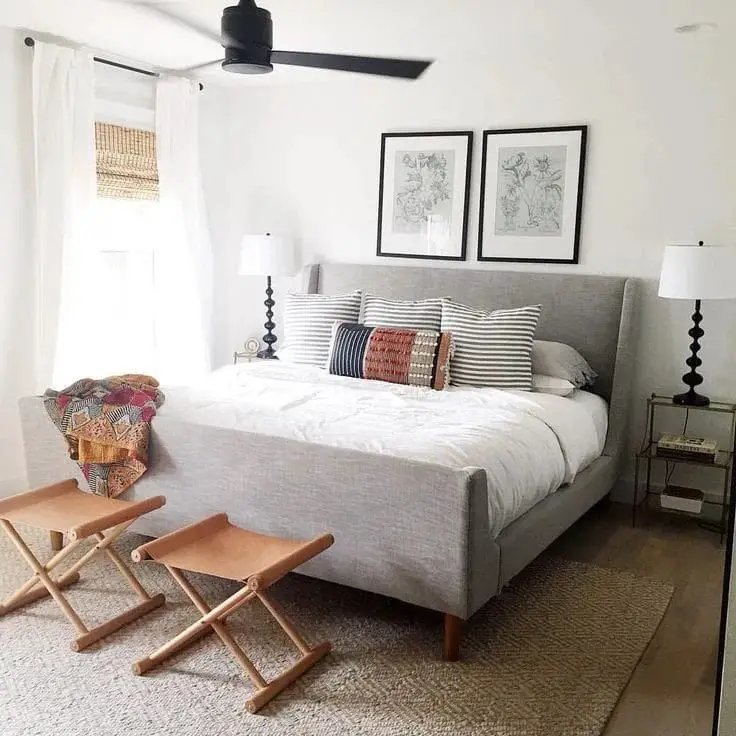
(678, 446)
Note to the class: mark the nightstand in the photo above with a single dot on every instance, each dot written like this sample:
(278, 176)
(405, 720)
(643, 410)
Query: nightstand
(647, 456)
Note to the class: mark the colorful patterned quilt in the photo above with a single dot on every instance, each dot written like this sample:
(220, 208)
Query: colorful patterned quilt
(107, 425)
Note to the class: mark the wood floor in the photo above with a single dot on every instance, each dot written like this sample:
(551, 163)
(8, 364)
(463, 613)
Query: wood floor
(672, 690)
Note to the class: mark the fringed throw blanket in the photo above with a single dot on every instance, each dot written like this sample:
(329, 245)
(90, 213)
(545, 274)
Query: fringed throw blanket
(107, 425)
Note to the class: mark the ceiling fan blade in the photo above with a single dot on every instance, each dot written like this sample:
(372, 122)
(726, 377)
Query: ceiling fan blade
(402, 68)
(199, 67)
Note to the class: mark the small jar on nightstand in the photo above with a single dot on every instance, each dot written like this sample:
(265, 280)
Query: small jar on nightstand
(674, 450)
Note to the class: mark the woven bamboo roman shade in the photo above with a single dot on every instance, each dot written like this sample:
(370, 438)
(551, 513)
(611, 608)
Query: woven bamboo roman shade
(126, 162)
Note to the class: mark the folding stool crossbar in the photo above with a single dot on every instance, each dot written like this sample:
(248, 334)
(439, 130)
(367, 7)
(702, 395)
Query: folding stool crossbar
(216, 547)
(62, 507)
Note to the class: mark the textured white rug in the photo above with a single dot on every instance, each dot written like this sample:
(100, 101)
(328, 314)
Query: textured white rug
(549, 657)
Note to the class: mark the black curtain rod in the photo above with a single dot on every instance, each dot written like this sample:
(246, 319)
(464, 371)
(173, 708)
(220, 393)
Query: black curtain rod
(147, 72)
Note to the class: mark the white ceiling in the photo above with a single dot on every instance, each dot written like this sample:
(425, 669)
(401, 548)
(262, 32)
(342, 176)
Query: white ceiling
(451, 31)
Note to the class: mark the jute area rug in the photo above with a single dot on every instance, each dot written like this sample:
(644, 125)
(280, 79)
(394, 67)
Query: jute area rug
(550, 657)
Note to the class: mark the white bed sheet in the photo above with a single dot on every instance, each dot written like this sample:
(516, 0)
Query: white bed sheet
(597, 407)
(529, 444)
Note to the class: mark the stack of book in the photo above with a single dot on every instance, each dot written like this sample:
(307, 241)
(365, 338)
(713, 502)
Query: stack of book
(679, 447)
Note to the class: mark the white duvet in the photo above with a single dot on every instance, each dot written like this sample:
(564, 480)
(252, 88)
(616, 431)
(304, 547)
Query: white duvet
(529, 444)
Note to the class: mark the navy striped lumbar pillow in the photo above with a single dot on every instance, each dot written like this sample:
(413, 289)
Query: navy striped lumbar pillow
(308, 320)
(409, 357)
(425, 314)
(492, 349)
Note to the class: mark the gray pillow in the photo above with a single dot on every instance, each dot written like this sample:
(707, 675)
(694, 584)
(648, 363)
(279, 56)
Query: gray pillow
(561, 361)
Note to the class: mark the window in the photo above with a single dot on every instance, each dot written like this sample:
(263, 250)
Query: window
(117, 272)
(136, 280)
(124, 234)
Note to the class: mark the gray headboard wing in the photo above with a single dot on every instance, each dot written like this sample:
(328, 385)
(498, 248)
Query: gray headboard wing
(594, 314)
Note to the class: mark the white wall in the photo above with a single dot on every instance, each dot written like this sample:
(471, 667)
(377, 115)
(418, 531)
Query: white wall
(15, 265)
(661, 165)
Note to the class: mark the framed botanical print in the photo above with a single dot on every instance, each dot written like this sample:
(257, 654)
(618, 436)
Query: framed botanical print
(424, 193)
(532, 194)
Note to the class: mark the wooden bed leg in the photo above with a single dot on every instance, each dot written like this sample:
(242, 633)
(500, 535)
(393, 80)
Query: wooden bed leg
(57, 540)
(453, 633)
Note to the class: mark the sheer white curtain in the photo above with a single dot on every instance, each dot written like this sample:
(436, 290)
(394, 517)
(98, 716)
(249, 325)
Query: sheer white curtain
(63, 129)
(183, 260)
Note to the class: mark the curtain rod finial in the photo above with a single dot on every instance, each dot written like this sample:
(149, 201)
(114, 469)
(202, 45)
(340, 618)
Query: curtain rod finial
(28, 41)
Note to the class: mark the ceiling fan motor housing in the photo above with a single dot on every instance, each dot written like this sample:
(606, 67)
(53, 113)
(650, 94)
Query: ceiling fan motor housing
(247, 35)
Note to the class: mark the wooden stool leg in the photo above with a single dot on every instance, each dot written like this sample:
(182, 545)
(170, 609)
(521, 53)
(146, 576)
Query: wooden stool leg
(57, 540)
(106, 541)
(35, 595)
(124, 570)
(198, 629)
(308, 658)
(148, 663)
(191, 634)
(268, 693)
(147, 604)
(22, 593)
(219, 628)
(70, 613)
(111, 626)
(284, 623)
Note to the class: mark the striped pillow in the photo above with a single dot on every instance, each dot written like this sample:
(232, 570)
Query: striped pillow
(492, 349)
(409, 357)
(308, 320)
(421, 315)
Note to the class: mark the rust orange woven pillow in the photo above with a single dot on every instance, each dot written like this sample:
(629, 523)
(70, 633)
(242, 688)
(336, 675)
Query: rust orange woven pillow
(395, 355)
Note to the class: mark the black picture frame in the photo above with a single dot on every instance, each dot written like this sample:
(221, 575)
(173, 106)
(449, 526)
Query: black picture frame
(466, 178)
(580, 180)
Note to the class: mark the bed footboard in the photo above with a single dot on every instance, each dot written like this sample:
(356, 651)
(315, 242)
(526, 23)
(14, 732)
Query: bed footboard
(409, 530)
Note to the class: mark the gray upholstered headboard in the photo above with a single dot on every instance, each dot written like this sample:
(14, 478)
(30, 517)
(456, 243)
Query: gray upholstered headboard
(594, 314)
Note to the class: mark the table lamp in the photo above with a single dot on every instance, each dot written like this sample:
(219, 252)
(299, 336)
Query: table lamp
(267, 255)
(697, 272)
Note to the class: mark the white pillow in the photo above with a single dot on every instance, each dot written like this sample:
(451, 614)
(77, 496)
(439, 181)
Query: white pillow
(308, 320)
(552, 385)
(561, 361)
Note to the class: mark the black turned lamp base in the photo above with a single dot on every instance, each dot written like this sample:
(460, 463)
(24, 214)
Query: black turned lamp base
(691, 398)
(693, 378)
(267, 354)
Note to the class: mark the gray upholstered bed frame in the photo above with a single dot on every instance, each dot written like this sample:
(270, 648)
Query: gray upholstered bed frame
(413, 531)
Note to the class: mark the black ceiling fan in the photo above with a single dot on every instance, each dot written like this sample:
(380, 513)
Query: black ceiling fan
(247, 36)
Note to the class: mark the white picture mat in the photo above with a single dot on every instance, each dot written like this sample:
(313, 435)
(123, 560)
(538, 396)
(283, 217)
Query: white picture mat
(419, 243)
(537, 248)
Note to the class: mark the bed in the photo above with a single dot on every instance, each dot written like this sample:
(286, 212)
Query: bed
(436, 498)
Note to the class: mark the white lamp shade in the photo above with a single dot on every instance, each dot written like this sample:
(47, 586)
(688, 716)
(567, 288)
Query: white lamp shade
(267, 255)
(698, 272)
